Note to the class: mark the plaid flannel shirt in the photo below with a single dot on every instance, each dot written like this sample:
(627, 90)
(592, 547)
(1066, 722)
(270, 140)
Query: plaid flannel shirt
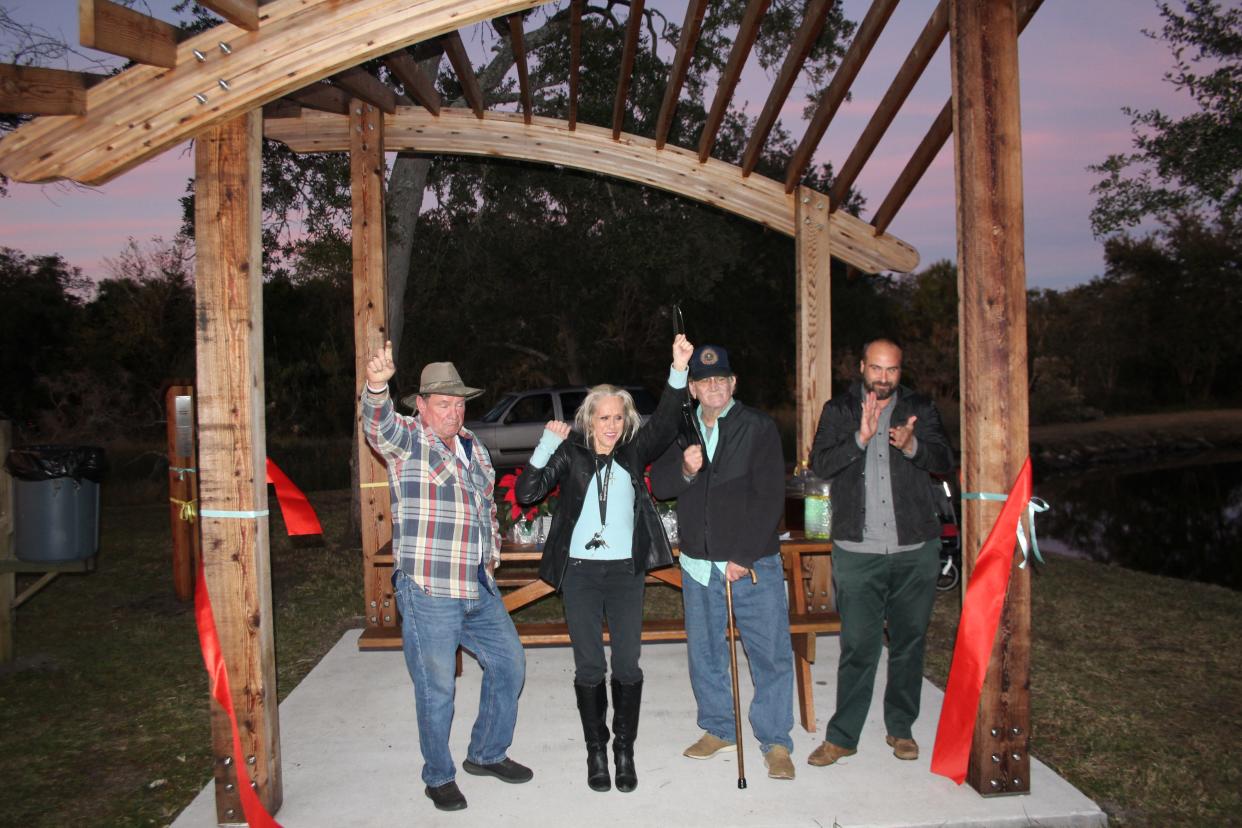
(443, 511)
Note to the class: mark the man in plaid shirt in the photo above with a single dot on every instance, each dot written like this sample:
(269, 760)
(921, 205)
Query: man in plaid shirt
(446, 547)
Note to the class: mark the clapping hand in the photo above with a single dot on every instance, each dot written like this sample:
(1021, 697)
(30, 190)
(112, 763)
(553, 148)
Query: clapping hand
(870, 418)
(682, 351)
(380, 366)
(901, 436)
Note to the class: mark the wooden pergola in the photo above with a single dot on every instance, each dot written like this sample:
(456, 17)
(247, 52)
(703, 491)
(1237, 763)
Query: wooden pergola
(289, 70)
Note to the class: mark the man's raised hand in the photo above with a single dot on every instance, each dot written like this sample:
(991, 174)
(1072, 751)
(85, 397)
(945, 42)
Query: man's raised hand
(683, 349)
(380, 366)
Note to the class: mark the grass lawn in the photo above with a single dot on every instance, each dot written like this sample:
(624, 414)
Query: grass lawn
(1136, 685)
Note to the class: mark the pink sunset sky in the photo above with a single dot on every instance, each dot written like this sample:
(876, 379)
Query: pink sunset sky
(1081, 61)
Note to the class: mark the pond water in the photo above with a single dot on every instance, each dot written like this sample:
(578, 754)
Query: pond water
(1180, 518)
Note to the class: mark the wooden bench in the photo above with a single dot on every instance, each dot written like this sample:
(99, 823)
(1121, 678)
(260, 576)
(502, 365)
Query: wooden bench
(807, 574)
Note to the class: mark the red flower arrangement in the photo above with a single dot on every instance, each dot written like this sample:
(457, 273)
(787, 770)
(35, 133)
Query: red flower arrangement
(507, 517)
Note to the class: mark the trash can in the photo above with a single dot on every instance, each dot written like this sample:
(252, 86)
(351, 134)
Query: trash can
(56, 501)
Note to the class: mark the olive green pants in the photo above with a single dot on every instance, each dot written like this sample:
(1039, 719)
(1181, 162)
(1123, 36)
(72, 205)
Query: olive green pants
(899, 589)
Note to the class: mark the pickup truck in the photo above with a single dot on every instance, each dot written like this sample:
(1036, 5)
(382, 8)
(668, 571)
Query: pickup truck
(512, 428)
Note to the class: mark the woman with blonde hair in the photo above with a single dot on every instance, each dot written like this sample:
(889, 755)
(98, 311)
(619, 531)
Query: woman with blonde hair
(604, 538)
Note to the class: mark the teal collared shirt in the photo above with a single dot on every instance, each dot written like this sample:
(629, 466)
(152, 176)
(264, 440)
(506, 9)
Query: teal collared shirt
(697, 568)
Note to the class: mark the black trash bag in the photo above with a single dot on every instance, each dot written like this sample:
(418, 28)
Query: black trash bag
(53, 462)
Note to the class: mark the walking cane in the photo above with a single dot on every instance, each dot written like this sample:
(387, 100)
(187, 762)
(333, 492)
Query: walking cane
(737, 705)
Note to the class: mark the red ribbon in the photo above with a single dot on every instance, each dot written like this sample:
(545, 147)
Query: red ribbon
(981, 611)
(299, 515)
(209, 641)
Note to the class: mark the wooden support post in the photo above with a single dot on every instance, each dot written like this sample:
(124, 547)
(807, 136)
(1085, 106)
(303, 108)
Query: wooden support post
(8, 580)
(233, 450)
(182, 488)
(366, 163)
(814, 356)
(814, 313)
(992, 311)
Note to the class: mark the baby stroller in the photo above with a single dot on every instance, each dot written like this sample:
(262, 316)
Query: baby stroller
(950, 539)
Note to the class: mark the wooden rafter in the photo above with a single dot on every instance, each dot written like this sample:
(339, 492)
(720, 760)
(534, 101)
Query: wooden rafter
(323, 97)
(868, 31)
(931, 145)
(456, 51)
(911, 70)
(146, 110)
(575, 58)
(518, 43)
(804, 40)
(284, 108)
(690, 30)
(742, 43)
(362, 84)
(32, 90)
(241, 13)
(111, 27)
(420, 87)
(633, 26)
(592, 148)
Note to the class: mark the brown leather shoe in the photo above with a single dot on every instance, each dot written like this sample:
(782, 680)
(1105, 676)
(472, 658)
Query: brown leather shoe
(708, 746)
(828, 753)
(907, 749)
(779, 765)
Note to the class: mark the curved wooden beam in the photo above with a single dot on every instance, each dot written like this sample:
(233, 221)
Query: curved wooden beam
(591, 148)
(145, 110)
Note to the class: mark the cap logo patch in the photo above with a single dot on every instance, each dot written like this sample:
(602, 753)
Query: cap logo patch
(709, 357)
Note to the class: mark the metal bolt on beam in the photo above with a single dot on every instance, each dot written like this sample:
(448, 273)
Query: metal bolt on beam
(226, 48)
(199, 56)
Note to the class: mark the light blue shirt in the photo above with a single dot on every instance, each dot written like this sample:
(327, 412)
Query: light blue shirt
(697, 568)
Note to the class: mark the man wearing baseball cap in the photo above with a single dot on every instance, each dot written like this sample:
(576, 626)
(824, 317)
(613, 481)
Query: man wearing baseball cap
(446, 546)
(728, 476)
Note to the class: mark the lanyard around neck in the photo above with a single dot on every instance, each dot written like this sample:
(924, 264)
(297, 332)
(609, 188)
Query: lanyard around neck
(601, 486)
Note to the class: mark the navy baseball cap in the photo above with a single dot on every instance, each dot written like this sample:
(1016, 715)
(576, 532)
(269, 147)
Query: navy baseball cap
(709, 361)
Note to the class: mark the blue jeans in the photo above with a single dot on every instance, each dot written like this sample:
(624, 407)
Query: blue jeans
(432, 629)
(761, 614)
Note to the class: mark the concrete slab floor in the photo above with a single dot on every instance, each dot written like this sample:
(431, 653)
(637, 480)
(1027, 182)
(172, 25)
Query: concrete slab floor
(350, 747)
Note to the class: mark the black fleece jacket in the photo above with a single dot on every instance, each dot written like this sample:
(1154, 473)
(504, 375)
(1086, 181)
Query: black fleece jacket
(733, 508)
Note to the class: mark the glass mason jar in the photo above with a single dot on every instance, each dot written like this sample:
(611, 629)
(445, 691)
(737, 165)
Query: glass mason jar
(817, 509)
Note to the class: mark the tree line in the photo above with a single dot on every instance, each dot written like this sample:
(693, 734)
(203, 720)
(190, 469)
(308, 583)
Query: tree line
(527, 276)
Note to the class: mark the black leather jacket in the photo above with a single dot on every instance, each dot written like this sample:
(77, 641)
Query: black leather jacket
(835, 456)
(573, 464)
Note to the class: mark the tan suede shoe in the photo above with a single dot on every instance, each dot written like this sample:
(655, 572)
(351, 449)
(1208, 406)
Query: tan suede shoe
(907, 749)
(780, 766)
(708, 746)
(828, 753)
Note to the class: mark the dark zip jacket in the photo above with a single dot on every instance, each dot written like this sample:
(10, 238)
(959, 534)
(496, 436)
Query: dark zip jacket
(835, 456)
(732, 509)
(573, 464)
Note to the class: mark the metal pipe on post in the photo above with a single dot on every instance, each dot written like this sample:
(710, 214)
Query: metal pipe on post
(183, 489)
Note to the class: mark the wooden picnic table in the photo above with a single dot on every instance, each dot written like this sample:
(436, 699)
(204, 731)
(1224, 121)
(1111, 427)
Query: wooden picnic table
(811, 609)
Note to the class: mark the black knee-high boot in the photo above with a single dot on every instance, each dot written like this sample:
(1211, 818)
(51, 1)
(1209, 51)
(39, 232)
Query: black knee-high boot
(626, 701)
(592, 707)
